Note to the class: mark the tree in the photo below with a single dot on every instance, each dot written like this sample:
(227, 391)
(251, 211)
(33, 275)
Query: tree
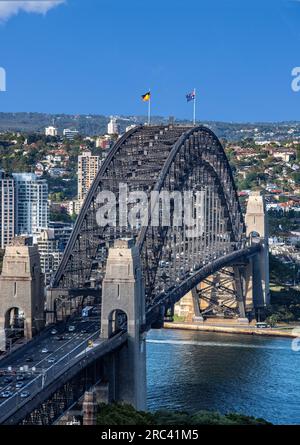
(296, 177)
(272, 320)
(124, 414)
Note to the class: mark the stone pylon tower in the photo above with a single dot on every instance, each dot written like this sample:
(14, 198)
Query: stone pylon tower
(21, 287)
(257, 272)
(123, 303)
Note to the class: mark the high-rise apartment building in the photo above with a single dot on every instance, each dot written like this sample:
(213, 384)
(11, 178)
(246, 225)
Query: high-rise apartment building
(7, 209)
(112, 126)
(88, 167)
(51, 244)
(62, 231)
(31, 195)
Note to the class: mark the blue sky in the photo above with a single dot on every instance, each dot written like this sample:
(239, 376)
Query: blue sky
(99, 56)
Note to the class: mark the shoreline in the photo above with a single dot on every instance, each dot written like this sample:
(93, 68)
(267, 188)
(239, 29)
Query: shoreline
(269, 332)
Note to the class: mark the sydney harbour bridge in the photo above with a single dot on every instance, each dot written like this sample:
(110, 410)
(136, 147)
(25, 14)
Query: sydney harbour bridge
(138, 272)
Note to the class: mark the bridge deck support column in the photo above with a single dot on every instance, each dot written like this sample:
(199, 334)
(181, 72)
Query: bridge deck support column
(240, 294)
(123, 292)
(197, 314)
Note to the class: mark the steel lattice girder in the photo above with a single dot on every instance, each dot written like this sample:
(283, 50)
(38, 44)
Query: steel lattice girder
(157, 158)
(220, 293)
(70, 392)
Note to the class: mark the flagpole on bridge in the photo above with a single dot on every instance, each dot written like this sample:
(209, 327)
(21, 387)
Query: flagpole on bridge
(194, 111)
(149, 108)
(147, 98)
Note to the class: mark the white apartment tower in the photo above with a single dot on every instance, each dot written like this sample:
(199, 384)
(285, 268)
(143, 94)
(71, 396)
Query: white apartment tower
(51, 131)
(88, 167)
(7, 209)
(112, 126)
(31, 203)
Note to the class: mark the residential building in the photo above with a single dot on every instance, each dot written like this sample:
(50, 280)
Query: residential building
(70, 134)
(104, 142)
(31, 194)
(62, 231)
(7, 209)
(112, 127)
(283, 154)
(73, 207)
(51, 131)
(51, 244)
(50, 253)
(88, 167)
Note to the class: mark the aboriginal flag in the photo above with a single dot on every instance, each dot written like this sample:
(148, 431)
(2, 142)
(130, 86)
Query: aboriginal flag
(146, 96)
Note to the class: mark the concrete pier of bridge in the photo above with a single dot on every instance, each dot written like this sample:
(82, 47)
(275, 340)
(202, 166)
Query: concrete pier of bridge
(123, 305)
(257, 274)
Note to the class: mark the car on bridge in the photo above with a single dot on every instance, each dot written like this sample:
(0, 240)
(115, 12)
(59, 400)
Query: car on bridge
(59, 338)
(6, 394)
(87, 311)
(25, 394)
(20, 377)
(8, 380)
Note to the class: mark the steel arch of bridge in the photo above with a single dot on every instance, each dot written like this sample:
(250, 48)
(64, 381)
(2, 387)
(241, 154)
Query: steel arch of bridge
(157, 158)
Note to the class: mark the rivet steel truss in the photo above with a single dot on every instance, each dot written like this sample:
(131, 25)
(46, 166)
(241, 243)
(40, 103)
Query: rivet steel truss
(158, 158)
(219, 294)
(48, 411)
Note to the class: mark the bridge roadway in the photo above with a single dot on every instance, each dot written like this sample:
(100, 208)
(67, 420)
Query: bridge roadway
(44, 369)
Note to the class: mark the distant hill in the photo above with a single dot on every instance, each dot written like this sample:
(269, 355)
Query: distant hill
(97, 124)
(36, 122)
(85, 124)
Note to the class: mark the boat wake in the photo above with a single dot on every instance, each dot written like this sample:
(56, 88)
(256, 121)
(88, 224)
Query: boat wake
(217, 344)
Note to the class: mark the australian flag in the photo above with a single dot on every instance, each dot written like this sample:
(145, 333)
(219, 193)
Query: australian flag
(190, 96)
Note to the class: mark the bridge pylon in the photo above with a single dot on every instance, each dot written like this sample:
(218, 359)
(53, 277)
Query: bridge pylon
(21, 290)
(123, 304)
(257, 271)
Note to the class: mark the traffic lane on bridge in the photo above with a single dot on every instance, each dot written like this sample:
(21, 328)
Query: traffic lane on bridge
(40, 360)
(54, 345)
(57, 348)
(15, 403)
(43, 379)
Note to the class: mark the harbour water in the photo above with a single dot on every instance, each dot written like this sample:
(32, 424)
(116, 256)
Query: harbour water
(192, 371)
